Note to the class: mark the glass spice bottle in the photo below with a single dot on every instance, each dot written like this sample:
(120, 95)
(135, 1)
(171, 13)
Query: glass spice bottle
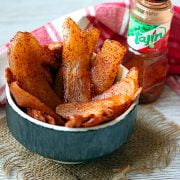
(147, 40)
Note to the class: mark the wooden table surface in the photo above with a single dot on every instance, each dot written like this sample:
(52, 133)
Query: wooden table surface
(23, 15)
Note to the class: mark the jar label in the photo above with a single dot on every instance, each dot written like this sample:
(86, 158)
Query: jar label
(147, 37)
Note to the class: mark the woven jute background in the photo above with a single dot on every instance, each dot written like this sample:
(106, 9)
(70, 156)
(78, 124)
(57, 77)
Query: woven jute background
(153, 145)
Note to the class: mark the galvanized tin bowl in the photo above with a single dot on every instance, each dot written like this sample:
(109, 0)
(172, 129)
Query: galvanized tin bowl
(70, 145)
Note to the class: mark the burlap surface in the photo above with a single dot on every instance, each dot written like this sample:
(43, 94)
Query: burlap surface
(152, 146)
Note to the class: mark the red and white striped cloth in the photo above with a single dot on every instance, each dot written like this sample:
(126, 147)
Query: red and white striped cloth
(112, 19)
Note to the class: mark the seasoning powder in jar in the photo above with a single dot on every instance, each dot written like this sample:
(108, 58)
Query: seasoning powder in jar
(147, 39)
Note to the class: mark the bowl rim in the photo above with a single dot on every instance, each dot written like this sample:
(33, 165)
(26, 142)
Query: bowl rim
(63, 128)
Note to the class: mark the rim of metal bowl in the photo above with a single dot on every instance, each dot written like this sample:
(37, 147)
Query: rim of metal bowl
(62, 128)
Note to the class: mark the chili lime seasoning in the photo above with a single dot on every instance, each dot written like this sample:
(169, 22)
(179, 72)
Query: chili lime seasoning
(148, 33)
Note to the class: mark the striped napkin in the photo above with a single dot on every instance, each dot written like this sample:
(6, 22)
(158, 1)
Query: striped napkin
(112, 20)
